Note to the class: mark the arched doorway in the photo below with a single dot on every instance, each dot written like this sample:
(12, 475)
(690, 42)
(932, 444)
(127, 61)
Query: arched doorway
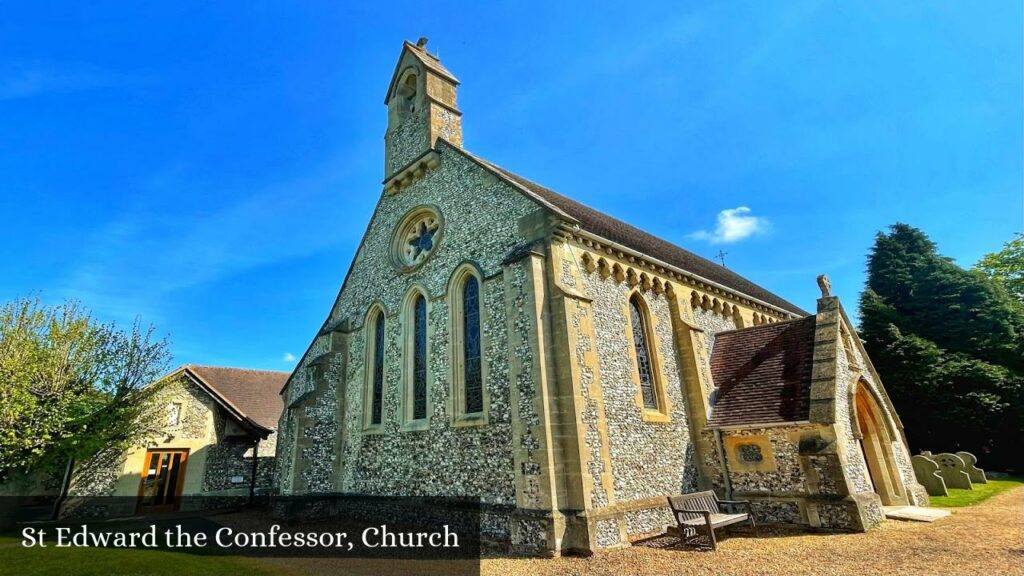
(876, 445)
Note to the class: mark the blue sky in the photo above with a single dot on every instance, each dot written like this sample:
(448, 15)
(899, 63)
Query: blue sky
(211, 166)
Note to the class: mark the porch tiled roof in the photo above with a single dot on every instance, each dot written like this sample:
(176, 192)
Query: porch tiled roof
(763, 374)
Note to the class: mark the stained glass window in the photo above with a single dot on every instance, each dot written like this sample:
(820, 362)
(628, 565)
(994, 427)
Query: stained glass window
(377, 406)
(643, 354)
(417, 239)
(419, 359)
(473, 378)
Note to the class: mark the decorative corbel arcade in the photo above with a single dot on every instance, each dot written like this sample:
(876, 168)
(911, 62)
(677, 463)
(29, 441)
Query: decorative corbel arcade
(412, 173)
(652, 277)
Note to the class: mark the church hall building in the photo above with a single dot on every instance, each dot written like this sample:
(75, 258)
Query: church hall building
(496, 339)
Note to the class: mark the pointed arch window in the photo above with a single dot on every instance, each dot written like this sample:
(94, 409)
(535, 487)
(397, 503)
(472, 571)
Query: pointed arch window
(468, 397)
(419, 358)
(644, 358)
(473, 372)
(376, 399)
(373, 379)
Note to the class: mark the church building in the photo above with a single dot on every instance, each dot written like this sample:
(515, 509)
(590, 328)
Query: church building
(496, 339)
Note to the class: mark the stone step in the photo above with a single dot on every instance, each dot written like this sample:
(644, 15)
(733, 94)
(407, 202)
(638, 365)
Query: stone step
(914, 513)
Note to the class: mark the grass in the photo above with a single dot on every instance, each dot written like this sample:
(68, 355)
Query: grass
(14, 559)
(958, 498)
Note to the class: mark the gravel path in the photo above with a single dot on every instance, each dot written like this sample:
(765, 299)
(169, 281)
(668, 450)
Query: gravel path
(987, 539)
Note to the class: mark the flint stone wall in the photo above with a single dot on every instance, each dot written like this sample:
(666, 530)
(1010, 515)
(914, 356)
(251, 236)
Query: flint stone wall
(648, 458)
(231, 457)
(480, 226)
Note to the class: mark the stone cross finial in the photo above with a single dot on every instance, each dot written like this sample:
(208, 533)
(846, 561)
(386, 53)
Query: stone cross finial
(825, 285)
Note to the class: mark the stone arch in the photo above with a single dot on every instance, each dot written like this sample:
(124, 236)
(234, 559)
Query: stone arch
(415, 347)
(588, 262)
(641, 332)
(618, 273)
(459, 369)
(876, 436)
(737, 317)
(405, 98)
(631, 278)
(645, 282)
(464, 269)
(374, 366)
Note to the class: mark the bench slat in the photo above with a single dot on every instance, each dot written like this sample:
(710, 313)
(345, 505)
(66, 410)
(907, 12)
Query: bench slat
(701, 509)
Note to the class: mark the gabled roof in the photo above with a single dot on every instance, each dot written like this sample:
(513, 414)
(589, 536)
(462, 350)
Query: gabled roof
(615, 230)
(599, 224)
(251, 396)
(428, 60)
(763, 374)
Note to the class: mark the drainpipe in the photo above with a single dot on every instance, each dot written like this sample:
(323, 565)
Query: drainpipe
(255, 467)
(719, 446)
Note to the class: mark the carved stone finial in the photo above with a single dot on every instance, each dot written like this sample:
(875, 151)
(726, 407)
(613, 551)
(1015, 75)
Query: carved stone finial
(422, 43)
(825, 285)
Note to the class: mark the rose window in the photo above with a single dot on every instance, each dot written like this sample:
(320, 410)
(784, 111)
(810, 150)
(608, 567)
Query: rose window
(417, 238)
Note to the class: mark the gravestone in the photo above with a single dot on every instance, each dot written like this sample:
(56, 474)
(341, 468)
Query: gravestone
(927, 472)
(970, 462)
(953, 471)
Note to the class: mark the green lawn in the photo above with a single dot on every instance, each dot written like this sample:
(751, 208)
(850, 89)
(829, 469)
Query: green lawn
(958, 498)
(108, 562)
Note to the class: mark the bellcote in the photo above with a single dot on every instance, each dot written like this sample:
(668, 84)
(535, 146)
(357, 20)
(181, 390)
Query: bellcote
(421, 101)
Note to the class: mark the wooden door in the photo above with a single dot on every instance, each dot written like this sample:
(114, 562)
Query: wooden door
(163, 476)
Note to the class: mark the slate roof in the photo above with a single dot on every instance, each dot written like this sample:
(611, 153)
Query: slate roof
(763, 373)
(630, 236)
(252, 395)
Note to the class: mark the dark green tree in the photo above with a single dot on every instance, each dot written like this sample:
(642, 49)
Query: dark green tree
(949, 345)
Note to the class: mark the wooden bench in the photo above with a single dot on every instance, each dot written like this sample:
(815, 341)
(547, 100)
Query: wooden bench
(701, 510)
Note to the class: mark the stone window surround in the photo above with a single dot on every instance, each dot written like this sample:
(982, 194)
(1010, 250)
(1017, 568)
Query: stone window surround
(737, 464)
(406, 422)
(398, 240)
(396, 114)
(662, 414)
(375, 314)
(457, 397)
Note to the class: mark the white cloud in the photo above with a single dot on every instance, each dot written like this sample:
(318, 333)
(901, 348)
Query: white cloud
(734, 224)
(288, 357)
